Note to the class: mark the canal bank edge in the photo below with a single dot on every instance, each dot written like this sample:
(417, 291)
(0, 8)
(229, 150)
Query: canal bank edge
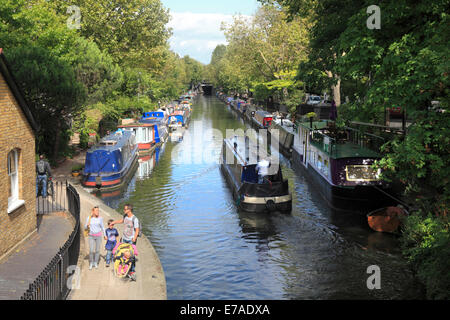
(101, 284)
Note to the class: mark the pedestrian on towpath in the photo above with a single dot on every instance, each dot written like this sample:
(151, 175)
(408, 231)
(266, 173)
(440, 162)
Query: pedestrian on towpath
(112, 236)
(43, 173)
(131, 230)
(96, 232)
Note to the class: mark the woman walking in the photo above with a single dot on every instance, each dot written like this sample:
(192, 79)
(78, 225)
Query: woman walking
(94, 224)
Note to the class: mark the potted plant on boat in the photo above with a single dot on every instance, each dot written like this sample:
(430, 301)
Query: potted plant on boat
(76, 170)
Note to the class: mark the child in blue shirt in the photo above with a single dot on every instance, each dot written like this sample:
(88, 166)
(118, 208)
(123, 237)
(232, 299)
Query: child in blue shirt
(112, 235)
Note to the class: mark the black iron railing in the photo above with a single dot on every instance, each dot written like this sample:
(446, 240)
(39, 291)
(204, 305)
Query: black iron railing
(55, 200)
(53, 282)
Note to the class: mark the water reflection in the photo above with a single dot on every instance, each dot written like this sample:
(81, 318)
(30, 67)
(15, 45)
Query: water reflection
(148, 162)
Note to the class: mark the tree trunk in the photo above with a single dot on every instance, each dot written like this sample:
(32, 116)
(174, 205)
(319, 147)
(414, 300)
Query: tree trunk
(335, 88)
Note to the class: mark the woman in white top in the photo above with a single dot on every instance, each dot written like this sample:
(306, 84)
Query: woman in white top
(96, 231)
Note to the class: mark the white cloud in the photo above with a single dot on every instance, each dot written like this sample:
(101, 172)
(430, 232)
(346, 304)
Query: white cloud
(197, 34)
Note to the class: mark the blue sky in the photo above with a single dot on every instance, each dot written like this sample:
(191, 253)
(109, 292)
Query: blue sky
(196, 24)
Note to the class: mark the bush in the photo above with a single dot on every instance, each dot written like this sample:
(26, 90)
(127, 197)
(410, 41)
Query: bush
(426, 244)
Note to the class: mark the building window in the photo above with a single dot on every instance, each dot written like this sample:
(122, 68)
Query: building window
(13, 181)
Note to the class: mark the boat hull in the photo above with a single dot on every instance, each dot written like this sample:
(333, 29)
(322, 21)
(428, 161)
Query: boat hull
(110, 181)
(285, 140)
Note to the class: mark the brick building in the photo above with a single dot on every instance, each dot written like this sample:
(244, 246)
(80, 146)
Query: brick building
(17, 163)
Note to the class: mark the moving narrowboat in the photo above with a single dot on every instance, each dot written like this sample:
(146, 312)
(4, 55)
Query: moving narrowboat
(254, 193)
(109, 163)
(340, 162)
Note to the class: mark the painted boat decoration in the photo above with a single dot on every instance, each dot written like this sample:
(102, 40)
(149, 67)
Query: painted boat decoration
(339, 161)
(386, 219)
(110, 163)
(252, 193)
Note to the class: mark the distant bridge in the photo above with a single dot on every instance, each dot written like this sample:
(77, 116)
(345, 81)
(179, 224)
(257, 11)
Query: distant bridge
(207, 88)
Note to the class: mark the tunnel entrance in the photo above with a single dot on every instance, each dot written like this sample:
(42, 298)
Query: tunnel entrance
(207, 89)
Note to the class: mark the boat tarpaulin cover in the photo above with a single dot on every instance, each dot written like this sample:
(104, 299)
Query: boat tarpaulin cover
(100, 161)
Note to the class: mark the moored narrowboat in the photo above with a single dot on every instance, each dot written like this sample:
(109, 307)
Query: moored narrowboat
(146, 135)
(262, 119)
(159, 120)
(254, 192)
(178, 119)
(109, 163)
(340, 162)
(283, 133)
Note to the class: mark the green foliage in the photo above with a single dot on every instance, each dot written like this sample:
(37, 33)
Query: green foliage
(119, 61)
(421, 161)
(101, 77)
(262, 54)
(295, 98)
(133, 32)
(52, 90)
(426, 243)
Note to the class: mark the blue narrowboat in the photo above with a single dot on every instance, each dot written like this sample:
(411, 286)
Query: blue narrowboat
(160, 120)
(178, 119)
(109, 163)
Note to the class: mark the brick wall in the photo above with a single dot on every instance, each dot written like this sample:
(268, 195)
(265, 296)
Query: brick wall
(16, 133)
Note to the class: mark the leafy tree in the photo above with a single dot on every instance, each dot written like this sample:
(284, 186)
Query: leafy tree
(101, 77)
(134, 32)
(262, 55)
(51, 89)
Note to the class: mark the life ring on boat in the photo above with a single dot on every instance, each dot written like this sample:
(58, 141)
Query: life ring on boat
(270, 205)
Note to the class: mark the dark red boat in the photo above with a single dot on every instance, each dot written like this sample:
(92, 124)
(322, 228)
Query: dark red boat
(386, 219)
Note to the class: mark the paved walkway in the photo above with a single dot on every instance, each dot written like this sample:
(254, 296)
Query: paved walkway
(101, 284)
(20, 268)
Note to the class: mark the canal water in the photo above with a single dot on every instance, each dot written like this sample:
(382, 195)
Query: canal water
(211, 250)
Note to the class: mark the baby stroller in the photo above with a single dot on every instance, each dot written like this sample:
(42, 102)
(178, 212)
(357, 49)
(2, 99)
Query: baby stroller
(124, 257)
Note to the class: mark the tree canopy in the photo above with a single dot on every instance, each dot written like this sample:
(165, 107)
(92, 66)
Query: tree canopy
(120, 52)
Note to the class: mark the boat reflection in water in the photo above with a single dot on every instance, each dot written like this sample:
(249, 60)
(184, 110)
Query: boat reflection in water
(149, 162)
(143, 170)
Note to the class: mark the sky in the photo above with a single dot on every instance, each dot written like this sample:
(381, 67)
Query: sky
(196, 24)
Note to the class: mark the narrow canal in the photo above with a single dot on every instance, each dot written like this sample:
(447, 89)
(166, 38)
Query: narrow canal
(210, 250)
